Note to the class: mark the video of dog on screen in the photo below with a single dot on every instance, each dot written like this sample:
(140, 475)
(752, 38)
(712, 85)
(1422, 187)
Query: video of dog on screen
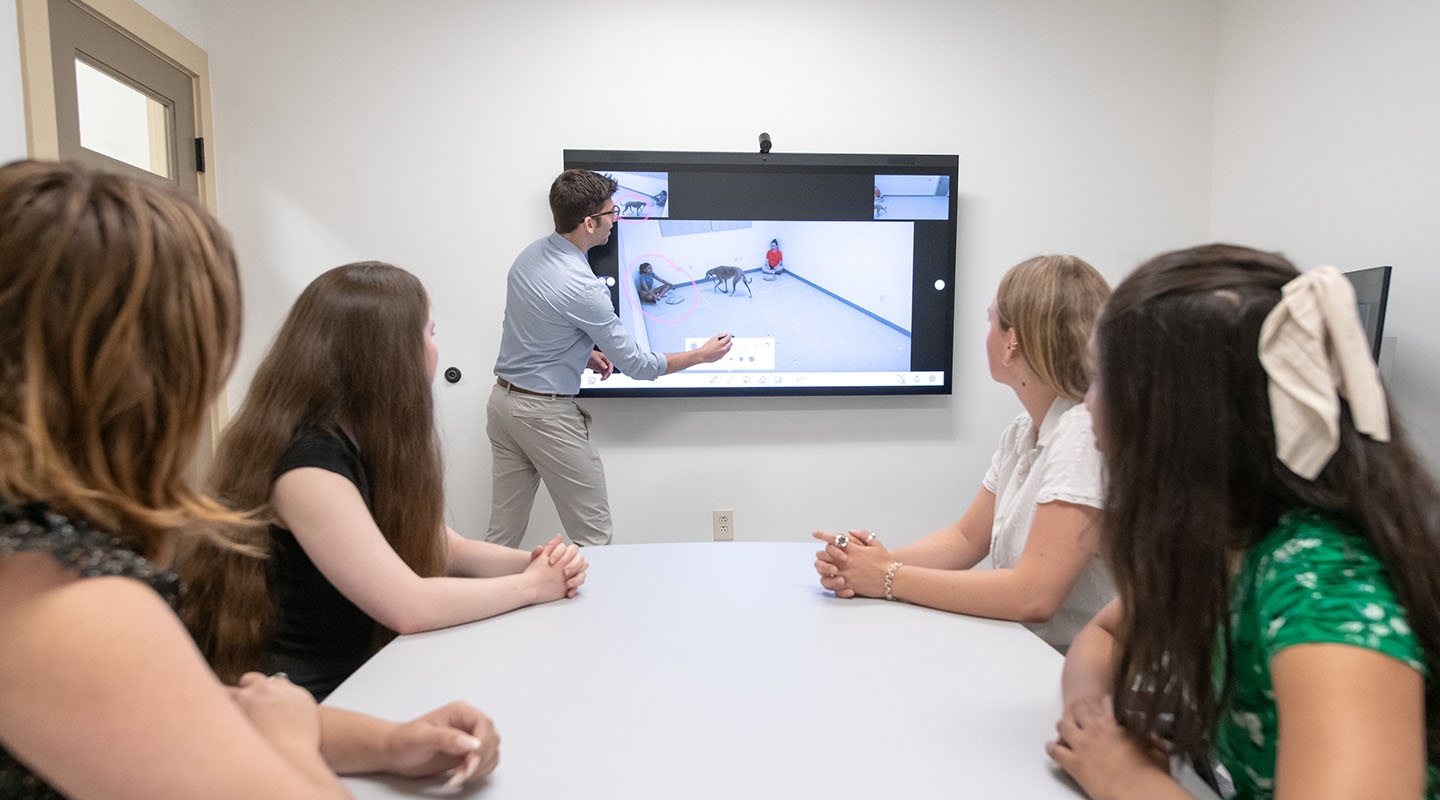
(809, 296)
(641, 195)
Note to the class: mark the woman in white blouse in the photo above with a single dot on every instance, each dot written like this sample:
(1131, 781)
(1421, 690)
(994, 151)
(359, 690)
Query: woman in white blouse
(1037, 512)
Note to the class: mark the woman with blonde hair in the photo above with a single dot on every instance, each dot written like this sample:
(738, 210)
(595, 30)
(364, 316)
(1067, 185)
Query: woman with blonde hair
(336, 442)
(1036, 514)
(119, 321)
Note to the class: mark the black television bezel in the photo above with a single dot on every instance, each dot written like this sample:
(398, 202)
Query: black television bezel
(601, 160)
(1385, 274)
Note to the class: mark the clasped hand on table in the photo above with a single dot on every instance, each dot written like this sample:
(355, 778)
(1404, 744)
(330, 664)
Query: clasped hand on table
(456, 738)
(856, 568)
(560, 568)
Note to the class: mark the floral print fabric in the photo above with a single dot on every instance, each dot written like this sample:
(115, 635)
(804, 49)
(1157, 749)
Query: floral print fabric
(1309, 581)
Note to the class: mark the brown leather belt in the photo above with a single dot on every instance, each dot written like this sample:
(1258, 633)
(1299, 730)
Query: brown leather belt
(510, 387)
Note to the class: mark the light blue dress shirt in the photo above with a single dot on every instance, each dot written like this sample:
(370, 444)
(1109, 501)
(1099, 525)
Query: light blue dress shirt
(555, 310)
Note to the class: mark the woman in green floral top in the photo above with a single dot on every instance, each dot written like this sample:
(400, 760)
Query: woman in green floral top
(1275, 542)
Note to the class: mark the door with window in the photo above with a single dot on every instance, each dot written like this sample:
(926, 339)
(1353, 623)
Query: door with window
(119, 105)
(110, 85)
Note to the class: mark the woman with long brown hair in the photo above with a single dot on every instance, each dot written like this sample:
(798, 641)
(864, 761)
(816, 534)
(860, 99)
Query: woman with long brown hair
(1275, 542)
(119, 321)
(336, 442)
(1036, 514)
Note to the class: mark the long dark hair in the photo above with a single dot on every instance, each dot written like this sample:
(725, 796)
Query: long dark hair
(350, 359)
(1185, 425)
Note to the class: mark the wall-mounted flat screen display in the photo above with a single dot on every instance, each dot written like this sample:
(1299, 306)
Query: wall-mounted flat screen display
(834, 273)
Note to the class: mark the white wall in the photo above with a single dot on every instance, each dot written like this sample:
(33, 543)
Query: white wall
(185, 16)
(427, 134)
(1327, 148)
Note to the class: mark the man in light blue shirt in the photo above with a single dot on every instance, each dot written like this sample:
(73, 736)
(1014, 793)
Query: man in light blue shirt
(557, 312)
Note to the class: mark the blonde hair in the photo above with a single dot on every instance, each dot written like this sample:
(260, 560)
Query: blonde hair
(119, 322)
(1051, 302)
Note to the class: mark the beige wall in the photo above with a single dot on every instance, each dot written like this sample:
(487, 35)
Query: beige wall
(12, 105)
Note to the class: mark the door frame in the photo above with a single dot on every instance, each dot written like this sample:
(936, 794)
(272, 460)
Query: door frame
(129, 18)
(37, 75)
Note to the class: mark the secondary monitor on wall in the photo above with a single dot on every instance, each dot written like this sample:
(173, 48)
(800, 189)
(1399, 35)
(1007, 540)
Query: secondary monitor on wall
(834, 273)
(1372, 294)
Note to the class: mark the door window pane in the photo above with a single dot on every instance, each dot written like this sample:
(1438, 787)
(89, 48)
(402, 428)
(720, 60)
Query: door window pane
(121, 122)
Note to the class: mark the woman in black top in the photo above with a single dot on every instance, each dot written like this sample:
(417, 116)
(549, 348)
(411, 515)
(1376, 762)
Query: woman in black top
(336, 445)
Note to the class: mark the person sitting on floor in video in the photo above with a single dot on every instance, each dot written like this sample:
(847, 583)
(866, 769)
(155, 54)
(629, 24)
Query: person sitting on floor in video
(652, 287)
(774, 261)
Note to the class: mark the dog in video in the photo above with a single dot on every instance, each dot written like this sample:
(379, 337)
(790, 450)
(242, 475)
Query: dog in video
(731, 275)
(633, 208)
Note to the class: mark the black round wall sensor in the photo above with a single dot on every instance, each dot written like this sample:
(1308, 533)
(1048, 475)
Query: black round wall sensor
(452, 374)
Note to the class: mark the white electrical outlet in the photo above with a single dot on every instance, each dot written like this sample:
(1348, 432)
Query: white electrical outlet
(724, 523)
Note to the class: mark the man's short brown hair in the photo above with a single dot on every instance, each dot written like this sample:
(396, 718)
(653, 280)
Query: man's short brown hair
(577, 194)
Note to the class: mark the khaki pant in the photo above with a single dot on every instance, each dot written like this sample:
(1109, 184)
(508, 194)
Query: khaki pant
(540, 438)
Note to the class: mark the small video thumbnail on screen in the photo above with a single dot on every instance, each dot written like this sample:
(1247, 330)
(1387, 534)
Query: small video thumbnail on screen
(912, 197)
(641, 196)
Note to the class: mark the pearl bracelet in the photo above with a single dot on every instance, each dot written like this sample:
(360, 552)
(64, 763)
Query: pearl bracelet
(890, 579)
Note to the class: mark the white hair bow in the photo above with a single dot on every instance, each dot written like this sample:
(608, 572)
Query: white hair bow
(1314, 351)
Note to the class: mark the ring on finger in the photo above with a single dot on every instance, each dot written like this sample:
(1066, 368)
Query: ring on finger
(842, 540)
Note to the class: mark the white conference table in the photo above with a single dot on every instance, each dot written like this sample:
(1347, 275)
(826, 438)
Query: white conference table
(724, 670)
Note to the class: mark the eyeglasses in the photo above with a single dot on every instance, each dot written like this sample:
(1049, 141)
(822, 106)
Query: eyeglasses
(613, 210)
